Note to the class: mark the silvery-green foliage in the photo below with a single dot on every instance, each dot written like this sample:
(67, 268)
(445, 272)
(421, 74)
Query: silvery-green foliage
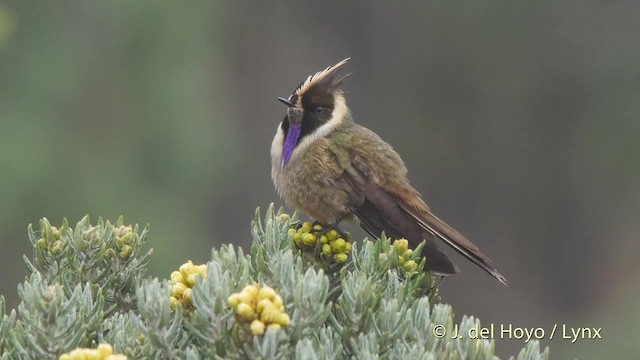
(91, 254)
(125, 335)
(157, 323)
(87, 286)
(326, 345)
(531, 352)
(49, 319)
(7, 324)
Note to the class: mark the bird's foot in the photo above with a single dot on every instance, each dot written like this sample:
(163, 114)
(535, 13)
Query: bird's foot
(323, 229)
(333, 227)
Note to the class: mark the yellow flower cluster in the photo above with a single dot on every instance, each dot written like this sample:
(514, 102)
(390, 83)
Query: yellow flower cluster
(404, 254)
(103, 352)
(332, 243)
(123, 236)
(259, 306)
(54, 245)
(183, 281)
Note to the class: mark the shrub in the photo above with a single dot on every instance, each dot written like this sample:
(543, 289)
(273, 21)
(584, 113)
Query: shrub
(87, 289)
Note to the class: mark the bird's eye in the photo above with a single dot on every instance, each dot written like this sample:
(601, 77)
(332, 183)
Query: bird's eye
(318, 110)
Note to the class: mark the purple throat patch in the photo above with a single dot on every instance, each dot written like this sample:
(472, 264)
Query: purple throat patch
(290, 143)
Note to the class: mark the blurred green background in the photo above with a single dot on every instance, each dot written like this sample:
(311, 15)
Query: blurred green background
(518, 121)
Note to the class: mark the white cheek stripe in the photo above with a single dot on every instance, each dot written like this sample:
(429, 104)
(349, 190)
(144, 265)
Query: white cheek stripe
(337, 117)
(276, 147)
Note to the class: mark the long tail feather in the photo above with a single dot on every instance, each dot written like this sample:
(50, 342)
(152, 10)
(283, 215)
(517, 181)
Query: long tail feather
(451, 237)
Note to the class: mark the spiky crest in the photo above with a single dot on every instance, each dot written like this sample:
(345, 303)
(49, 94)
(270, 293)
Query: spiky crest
(317, 78)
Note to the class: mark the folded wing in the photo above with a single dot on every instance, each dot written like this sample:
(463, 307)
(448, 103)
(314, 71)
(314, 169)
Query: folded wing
(402, 213)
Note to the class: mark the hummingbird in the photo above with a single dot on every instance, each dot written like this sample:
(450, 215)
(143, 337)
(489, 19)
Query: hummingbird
(333, 169)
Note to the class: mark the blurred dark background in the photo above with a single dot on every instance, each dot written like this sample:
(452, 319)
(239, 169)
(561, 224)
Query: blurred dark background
(518, 122)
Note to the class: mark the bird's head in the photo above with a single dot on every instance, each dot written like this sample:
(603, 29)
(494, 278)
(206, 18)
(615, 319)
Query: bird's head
(315, 108)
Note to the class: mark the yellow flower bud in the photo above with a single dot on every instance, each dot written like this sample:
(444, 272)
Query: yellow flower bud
(410, 266)
(191, 279)
(91, 354)
(347, 247)
(323, 239)
(246, 298)
(105, 350)
(57, 247)
(266, 292)
(338, 245)
(306, 226)
(263, 304)
(234, 299)
(186, 296)
(332, 234)
(274, 326)
(269, 314)
(317, 227)
(125, 252)
(308, 239)
(292, 232)
(282, 319)
(202, 270)
(401, 260)
(251, 290)
(176, 277)
(173, 302)
(326, 249)
(257, 327)
(187, 268)
(55, 232)
(341, 258)
(401, 244)
(65, 357)
(277, 302)
(178, 289)
(245, 311)
(407, 254)
(42, 244)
